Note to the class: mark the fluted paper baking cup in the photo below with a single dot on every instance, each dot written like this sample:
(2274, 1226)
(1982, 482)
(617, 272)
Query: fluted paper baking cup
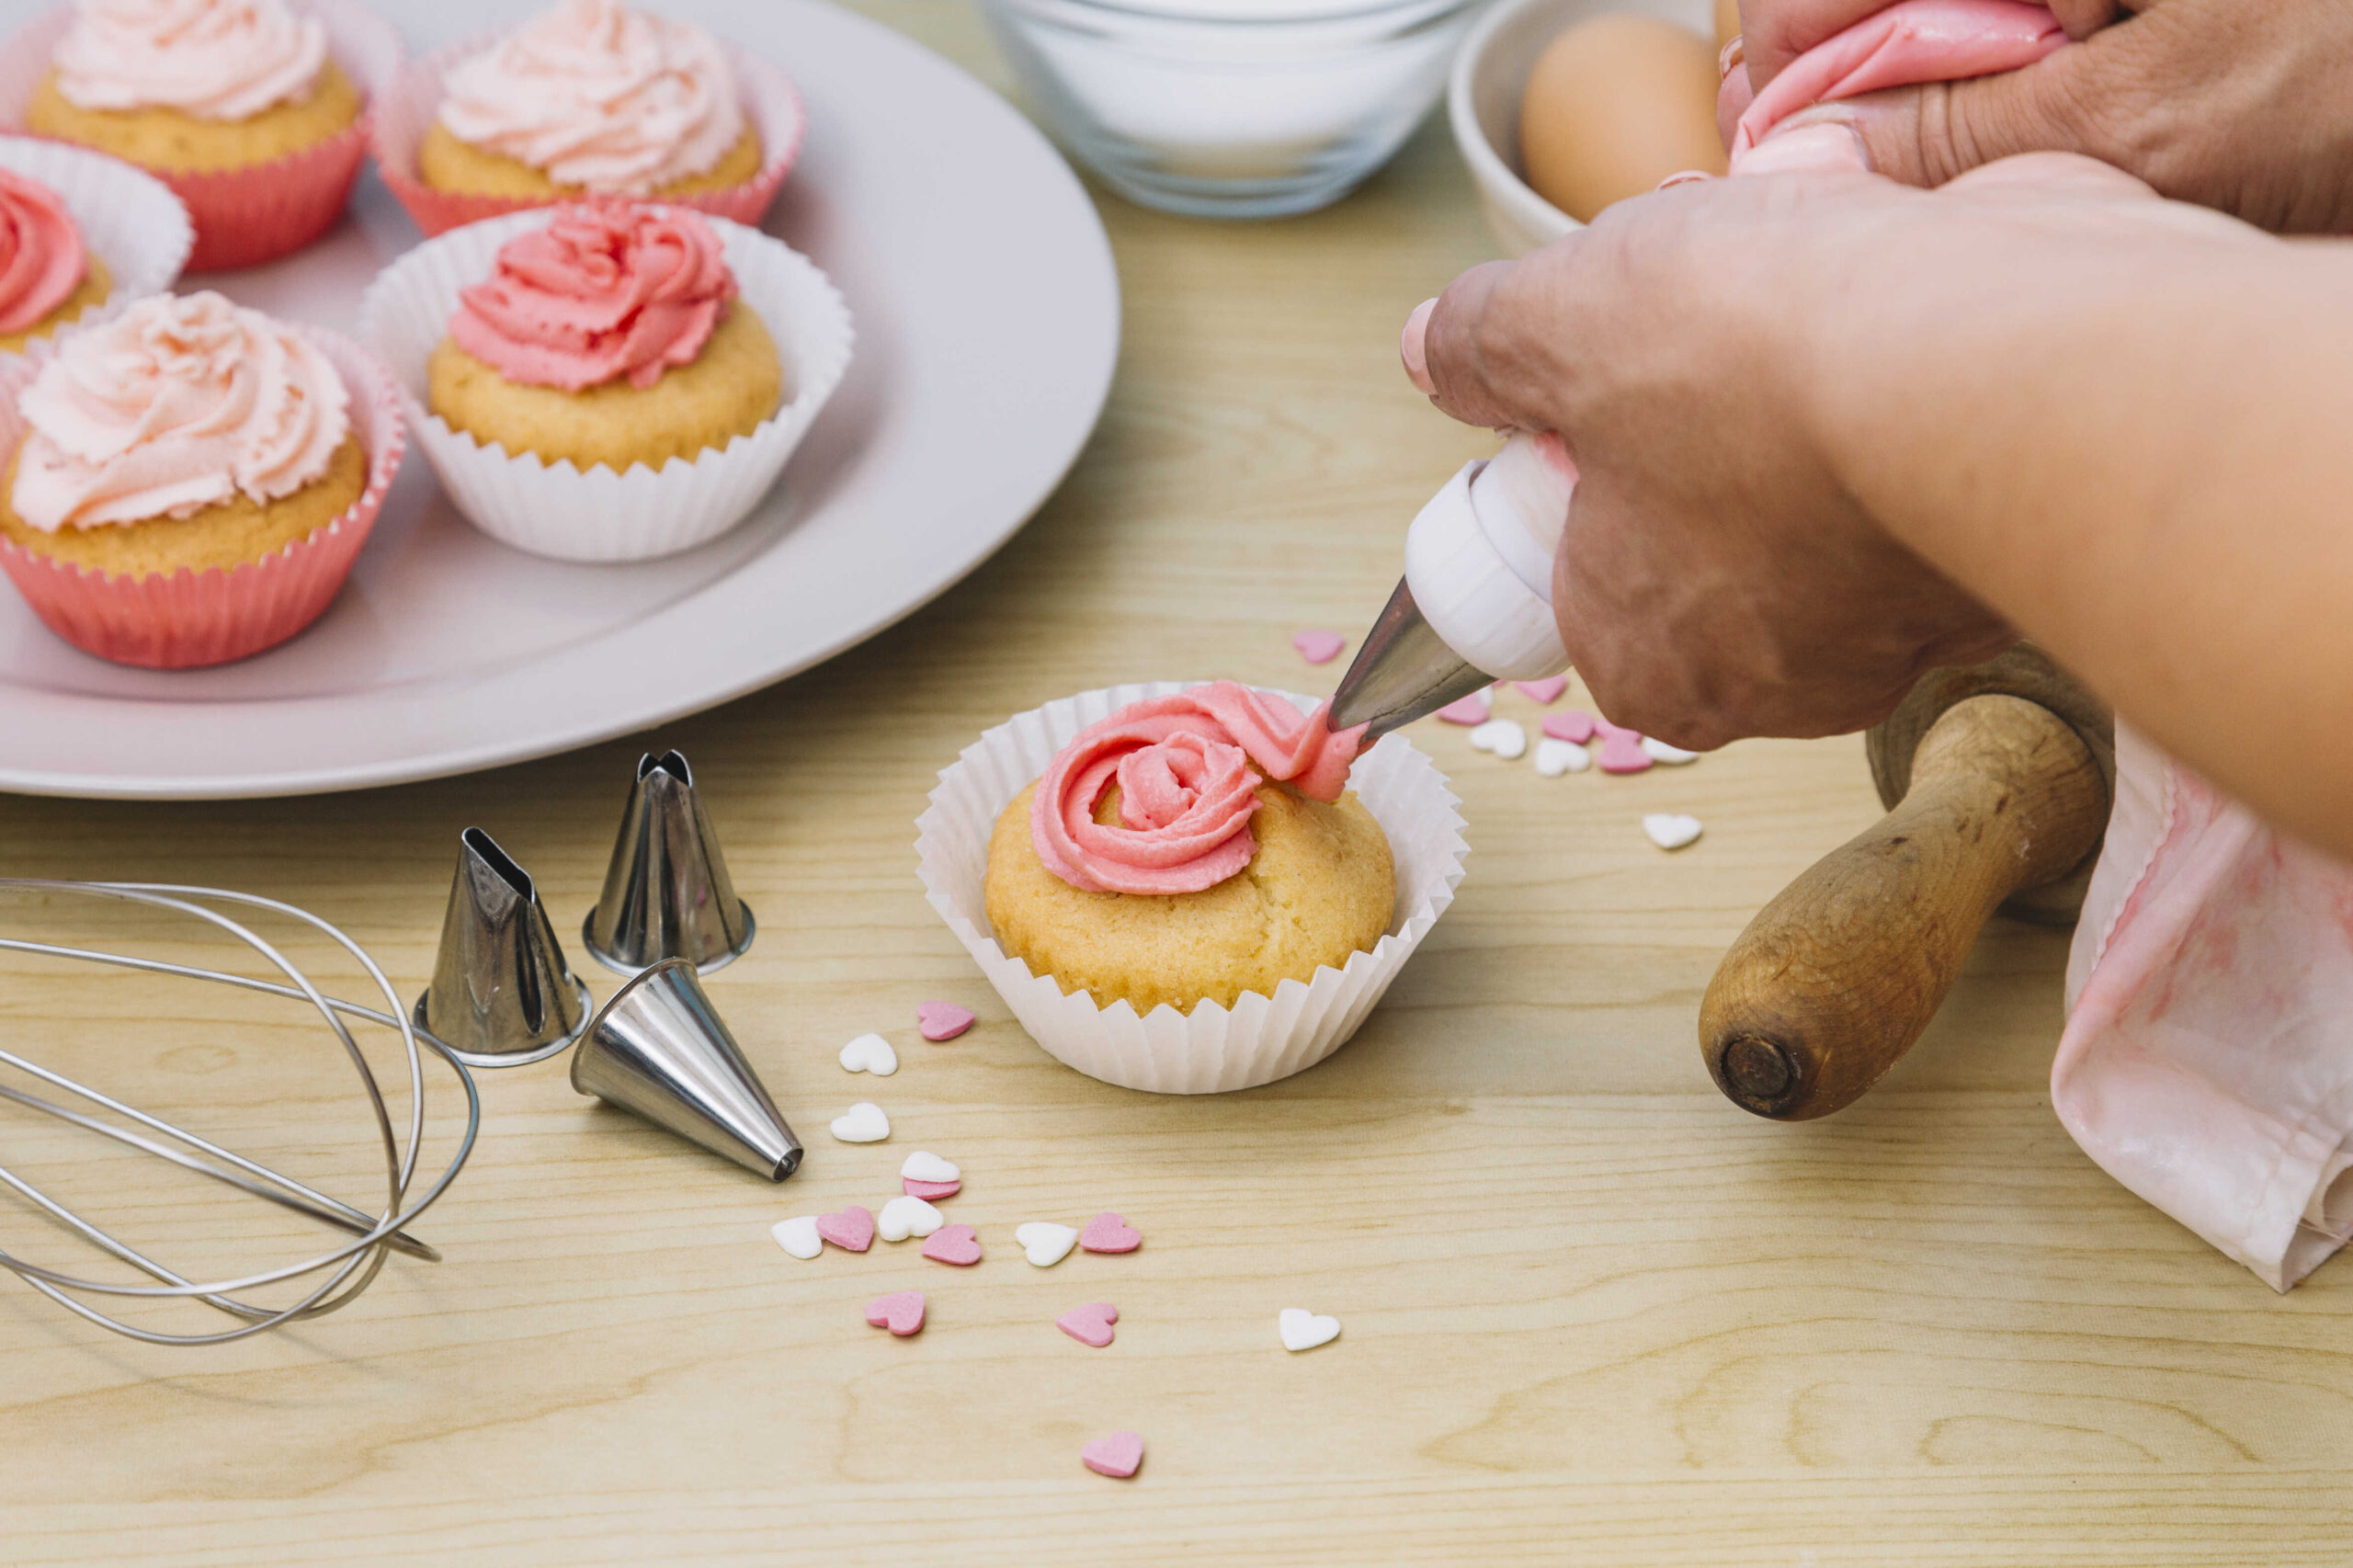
(191, 618)
(554, 509)
(770, 102)
(248, 215)
(130, 220)
(1211, 1049)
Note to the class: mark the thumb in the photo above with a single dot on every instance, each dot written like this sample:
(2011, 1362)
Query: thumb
(1475, 346)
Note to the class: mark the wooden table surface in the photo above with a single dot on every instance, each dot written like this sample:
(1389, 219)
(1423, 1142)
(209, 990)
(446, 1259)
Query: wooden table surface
(1593, 1313)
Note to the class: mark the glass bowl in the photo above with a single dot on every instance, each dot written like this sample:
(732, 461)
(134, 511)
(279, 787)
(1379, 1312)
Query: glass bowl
(1232, 109)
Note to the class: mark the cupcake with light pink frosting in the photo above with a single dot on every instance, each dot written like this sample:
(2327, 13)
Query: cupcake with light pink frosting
(590, 98)
(190, 481)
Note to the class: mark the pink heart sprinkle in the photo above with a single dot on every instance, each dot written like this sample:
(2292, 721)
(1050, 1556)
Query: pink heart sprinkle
(1574, 726)
(1471, 710)
(930, 1191)
(942, 1020)
(901, 1312)
(1621, 750)
(1090, 1324)
(1318, 647)
(954, 1244)
(1108, 1233)
(852, 1230)
(1116, 1456)
(1549, 689)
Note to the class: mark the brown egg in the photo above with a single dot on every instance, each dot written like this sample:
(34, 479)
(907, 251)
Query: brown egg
(1727, 22)
(1615, 105)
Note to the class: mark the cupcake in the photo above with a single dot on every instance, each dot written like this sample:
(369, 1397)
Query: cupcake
(80, 234)
(48, 277)
(252, 110)
(1188, 889)
(189, 482)
(611, 379)
(589, 98)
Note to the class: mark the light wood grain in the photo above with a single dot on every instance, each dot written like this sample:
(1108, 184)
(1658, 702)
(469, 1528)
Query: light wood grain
(1592, 1313)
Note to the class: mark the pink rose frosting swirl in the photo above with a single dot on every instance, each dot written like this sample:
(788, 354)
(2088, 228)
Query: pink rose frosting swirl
(595, 95)
(211, 59)
(1189, 768)
(41, 260)
(609, 288)
(181, 403)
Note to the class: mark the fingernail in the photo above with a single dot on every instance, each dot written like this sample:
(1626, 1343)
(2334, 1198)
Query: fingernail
(1729, 58)
(1410, 349)
(1824, 147)
(1687, 177)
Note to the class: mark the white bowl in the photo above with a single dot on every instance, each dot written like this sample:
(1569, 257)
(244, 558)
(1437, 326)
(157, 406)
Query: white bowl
(1482, 103)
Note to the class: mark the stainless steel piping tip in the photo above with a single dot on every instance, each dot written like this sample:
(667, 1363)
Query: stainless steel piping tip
(502, 994)
(1402, 672)
(659, 1051)
(667, 895)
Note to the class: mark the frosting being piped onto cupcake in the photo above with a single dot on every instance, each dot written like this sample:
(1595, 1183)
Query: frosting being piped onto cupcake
(609, 288)
(41, 258)
(1189, 767)
(595, 95)
(209, 58)
(179, 403)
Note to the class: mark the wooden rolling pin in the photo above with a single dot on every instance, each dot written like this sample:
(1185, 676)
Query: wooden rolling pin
(1997, 779)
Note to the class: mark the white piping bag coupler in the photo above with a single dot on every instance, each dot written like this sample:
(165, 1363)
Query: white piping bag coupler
(1475, 605)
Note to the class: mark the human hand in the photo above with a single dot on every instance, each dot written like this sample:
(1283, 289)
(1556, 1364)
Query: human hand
(2228, 104)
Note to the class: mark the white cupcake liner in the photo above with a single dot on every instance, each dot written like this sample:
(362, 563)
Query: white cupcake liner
(556, 510)
(131, 221)
(1212, 1048)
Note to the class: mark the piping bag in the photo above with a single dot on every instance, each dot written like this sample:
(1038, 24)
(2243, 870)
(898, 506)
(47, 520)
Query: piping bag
(2207, 1061)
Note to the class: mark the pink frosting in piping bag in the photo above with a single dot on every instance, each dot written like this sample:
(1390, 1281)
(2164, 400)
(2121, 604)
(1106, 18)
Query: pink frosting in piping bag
(1189, 767)
(41, 260)
(609, 288)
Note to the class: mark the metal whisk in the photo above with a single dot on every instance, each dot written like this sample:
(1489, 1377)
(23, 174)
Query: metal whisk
(347, 1269)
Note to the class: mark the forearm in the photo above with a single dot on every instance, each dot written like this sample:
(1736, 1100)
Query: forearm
(2138, 453)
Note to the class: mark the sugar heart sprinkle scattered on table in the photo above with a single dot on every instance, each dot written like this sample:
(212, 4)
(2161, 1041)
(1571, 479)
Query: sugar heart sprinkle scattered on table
(1659, 751)
(862, 1123)
(1549, 689)
(1621, 750)
(852, 1229)
(1504, 737)
(929, 1191)
(1089, 1324)
(1575, 724)
(1116, 1456)
(901, 1312)
(929, 1178)
(869, 1054)
(1471, 710)
(1318, 647)
(799, 1236)
(1556, 757)
(1044, 1243)
(942, 1020)
(1302, 1330)
(904, 1217)
(956, 1245)
(1669, 831)
(1108, 1233)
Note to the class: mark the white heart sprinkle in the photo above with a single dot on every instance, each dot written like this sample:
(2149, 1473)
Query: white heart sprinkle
(904, 1217)
(799, 1236)
(862, 1123)
(1304, 1330)
(869, 1054)
(1669, 831)
(922, 1165)
(1673, 757)
(1044, 1243)
(1556, 757)
(1504, 737)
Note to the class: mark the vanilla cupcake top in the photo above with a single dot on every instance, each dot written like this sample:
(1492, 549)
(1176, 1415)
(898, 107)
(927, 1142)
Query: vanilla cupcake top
(211, 59)
(611, 287)
(41, 258)
(595, 95)
(181, 402)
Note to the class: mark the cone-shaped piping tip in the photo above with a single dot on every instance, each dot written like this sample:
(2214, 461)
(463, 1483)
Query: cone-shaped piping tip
(659, 1051)
(502, 994)
(1402, 672)
(667, 893)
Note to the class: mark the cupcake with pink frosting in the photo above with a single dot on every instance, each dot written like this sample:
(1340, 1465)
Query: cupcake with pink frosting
(81, 234)
(591, 98)
(1189, 889)
(189, 482)
(611, 379)
(253, 111)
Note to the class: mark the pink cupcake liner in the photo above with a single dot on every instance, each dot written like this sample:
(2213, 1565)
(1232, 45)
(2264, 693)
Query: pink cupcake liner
(191, 618)
(407, 109)
(246, 216)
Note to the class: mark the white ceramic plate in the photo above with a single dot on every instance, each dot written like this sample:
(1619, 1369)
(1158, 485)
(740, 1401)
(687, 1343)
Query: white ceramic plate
(988, 321)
